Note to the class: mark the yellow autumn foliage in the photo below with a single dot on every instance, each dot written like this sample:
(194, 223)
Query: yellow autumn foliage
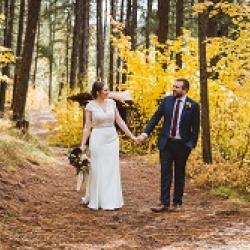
(69, 122)
(220, 174)
(6, 56)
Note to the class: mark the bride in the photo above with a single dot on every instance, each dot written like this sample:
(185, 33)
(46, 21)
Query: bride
(100, 116)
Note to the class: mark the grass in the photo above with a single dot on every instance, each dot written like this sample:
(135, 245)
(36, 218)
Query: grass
(230, 193)
(17, 149)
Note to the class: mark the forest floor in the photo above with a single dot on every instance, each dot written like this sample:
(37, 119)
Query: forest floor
(40, 209)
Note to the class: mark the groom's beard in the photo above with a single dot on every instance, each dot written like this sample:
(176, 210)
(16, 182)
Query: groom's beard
(177, 95)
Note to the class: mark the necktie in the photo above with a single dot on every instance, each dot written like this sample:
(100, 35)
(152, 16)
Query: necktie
(175, 118)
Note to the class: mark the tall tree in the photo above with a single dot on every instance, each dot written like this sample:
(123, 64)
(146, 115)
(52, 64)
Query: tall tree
(75, 45)
(84, 43)
(179, 27)
(67, 44)
(163, 23)
(8, 32)
(163, 18)
(148, 22)
(111, 47)
(19, 44)
(80, 48)
(134, 25)
(37, 53)
(128, 32)
(205, 121)
(100, 40)
(119, 60)
(25, 64)
(105, 25)
(129, 17)
(20, 28)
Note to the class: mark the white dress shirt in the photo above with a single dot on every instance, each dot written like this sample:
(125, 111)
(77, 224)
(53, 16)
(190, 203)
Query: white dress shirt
(182, 99)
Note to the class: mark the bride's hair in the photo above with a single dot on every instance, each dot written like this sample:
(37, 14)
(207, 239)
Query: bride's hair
(96, 87)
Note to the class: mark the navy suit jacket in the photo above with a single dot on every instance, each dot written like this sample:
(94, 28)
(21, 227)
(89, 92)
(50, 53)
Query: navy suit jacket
(189, 122)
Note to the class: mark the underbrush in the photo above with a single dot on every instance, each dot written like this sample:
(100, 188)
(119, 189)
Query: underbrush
(17, 149)
(223, 178)
(69, 126)
(227, 192)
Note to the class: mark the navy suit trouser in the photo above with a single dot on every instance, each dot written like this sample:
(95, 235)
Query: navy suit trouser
(173, 160)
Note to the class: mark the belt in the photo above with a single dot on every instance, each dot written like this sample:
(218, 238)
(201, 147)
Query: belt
(173, 139)
(107, 126)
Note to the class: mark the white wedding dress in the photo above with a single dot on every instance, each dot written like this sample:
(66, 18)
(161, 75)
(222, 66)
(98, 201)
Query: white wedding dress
(105, 183)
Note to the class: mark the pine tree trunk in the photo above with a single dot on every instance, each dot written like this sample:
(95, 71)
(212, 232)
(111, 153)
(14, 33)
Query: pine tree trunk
(84, 43)
(179, 28)
(51, 23)
(163, 27)
(25, 64)
(148, 22)
(148, 25)
(105, 26)
(80, 48)
(52, 33)
(100, 47)
(37, 54)
(19, 45)
(205, 122)
(67, 46)
(75, 46)
(128, 18)
(163, 18)
(119, 61)
(111, 47)
(134, 25)
(128, 32)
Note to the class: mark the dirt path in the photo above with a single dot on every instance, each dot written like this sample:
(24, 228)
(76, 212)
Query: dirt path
(39, 209)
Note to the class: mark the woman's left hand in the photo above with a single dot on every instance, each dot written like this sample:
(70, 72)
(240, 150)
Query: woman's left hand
(135, 139)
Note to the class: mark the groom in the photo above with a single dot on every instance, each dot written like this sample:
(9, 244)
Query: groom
(179, 135)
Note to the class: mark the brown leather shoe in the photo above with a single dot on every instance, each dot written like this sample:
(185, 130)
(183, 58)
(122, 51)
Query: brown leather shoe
(160, 208)
(177, 208)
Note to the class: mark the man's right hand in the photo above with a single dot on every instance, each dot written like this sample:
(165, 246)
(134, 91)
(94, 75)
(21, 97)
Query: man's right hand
(142, 138)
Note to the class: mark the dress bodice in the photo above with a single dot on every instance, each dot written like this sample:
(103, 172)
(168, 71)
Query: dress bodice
(102, 117)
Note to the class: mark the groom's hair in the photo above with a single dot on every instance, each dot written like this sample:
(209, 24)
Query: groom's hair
(185, 83)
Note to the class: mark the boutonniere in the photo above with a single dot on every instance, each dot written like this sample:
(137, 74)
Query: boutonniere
(188, 105)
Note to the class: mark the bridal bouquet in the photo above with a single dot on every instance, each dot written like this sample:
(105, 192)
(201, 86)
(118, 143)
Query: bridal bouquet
(79, 160)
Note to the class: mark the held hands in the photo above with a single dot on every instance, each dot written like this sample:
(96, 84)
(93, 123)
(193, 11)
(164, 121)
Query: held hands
(134, 138)
(139, 139)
